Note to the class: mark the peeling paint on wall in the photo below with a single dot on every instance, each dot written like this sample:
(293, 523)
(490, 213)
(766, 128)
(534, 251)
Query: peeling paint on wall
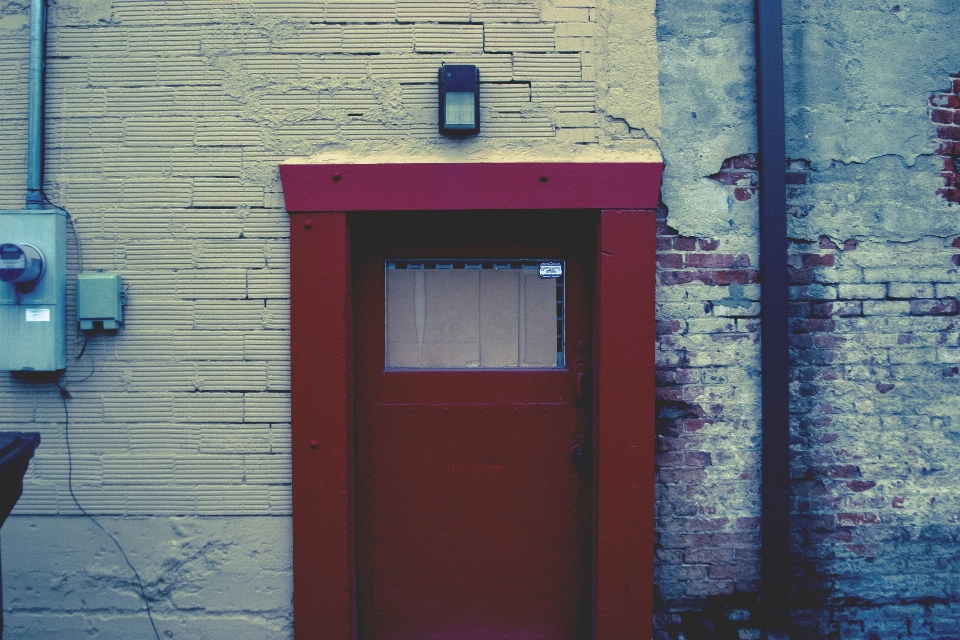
(857, 85)
(874, 346)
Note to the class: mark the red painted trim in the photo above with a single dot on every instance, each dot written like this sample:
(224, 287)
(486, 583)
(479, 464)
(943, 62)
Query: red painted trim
(322, 426)
(625, 424)
(439, 186)
(321, 363)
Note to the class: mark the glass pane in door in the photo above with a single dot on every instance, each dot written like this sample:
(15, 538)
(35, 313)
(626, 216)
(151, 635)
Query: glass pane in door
(473, 314)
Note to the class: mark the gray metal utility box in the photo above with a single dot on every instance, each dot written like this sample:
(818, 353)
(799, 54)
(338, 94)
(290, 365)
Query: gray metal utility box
(33, 296)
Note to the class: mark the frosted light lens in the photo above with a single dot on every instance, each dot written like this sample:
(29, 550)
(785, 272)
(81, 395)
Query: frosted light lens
(458, 109)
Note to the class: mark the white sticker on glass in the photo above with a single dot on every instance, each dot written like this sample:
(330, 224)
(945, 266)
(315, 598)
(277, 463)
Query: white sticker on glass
(551, 270)
(38, 315)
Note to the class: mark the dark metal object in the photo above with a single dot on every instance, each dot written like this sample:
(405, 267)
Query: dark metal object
(20, 265)
(774, 357)
(16, 449)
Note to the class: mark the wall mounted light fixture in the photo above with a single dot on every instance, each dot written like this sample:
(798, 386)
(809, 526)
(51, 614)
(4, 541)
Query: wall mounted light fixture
(459, 100)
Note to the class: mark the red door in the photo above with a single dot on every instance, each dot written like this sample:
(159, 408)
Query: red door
(473, 486)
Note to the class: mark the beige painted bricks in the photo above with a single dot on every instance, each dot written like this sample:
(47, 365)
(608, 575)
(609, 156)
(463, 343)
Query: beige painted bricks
(165, 125)
(166, 122)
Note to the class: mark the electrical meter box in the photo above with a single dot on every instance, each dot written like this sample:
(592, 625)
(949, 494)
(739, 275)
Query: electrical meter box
(33, 290)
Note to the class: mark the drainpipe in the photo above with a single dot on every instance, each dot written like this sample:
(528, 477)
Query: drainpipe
(774, 355)
(38, 33)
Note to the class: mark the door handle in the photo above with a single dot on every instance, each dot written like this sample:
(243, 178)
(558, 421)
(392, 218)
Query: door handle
(583, 387)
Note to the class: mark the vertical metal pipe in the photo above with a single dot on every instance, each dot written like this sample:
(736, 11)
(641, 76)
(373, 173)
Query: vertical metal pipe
(38, 33)
(774, 331)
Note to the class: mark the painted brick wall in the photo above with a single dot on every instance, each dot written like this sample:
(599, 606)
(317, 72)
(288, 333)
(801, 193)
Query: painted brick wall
(166, 121)
(165, 125)
(707, 557)
(875, 346)
(874, 334)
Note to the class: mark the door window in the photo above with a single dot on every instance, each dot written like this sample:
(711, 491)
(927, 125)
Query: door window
(474, 314)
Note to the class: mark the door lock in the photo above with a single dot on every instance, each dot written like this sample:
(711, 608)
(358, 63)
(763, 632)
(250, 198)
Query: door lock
(578, 453)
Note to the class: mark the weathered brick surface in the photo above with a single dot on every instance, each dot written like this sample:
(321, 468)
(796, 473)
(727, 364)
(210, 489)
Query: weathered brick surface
(166, 121)
(874, 346)
(707, 558)
(874, 461)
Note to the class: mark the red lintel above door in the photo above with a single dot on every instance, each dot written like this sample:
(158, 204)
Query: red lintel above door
(320, 197)
(453, 186)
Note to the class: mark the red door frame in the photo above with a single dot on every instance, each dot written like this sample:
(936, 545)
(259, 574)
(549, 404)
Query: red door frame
(319, 197)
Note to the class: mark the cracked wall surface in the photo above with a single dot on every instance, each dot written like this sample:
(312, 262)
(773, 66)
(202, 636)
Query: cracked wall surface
(205, 577)
(853, 76)
(166, 121)
(856, 82)
(707, 77)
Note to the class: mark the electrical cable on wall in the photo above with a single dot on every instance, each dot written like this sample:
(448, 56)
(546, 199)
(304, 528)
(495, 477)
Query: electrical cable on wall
(73, 225)
(76, 237)
(64, 395)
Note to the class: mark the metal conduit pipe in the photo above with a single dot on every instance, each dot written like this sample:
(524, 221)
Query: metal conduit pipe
(38, 37)
(774, 330)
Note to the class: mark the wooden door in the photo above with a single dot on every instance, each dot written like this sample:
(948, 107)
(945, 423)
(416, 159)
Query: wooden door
(473, 475)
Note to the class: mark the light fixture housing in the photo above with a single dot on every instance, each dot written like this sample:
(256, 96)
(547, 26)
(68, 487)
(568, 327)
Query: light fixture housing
(459, 100)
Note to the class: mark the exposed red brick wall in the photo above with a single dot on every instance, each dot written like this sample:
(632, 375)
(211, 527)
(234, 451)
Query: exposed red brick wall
(739, 172)
(705, 555)
(945, 113)
(683, 259)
